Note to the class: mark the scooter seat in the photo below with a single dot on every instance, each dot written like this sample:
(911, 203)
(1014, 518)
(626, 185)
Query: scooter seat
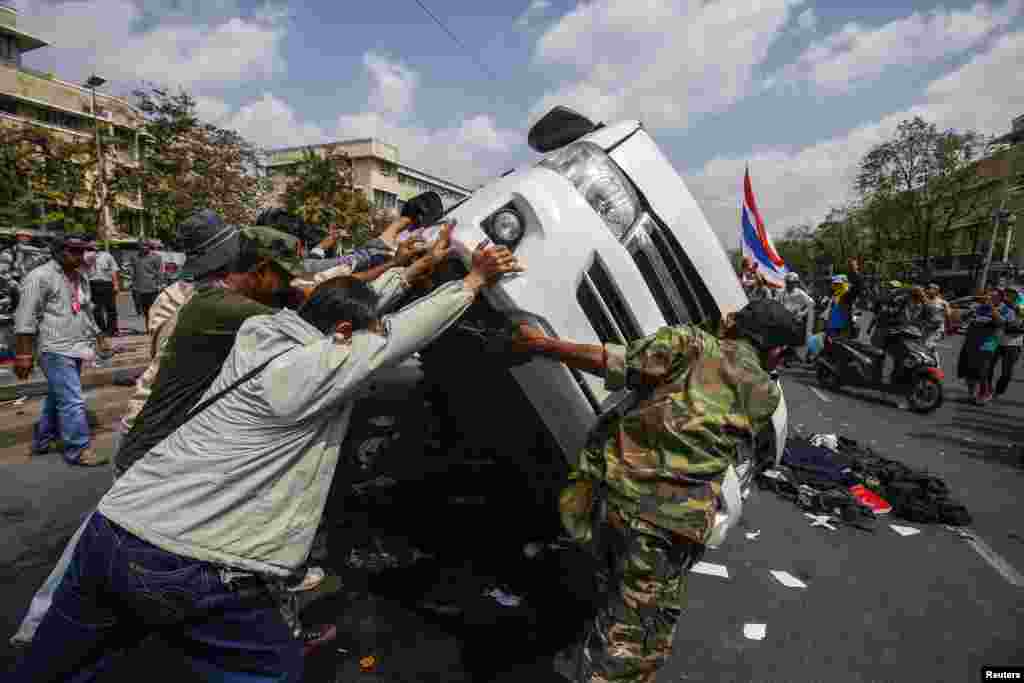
(867, 349)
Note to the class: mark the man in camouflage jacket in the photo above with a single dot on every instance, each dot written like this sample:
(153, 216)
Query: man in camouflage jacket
(644, 494)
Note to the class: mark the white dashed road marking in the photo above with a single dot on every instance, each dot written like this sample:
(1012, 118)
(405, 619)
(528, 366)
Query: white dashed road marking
(997, 561)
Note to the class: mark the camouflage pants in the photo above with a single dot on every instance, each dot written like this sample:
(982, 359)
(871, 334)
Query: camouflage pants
(631, 637)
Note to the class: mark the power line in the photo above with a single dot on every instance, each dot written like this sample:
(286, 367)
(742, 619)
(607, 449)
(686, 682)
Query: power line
(456, 40)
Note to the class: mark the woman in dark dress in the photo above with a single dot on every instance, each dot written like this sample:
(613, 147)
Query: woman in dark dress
(980, 346)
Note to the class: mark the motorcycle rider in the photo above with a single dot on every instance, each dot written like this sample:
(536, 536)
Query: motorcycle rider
(19, 260)
(845, 292)
(913, 313)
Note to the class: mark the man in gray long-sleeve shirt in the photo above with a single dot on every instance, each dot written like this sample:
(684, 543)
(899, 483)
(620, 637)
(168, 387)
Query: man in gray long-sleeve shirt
(146, 279)
(54, 320)
(230, 502)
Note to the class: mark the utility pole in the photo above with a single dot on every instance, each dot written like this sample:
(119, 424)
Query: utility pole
(104, 223)
(1000, 217)
(1009, 240)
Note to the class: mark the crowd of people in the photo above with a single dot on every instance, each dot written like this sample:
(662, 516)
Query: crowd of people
(232, 440)
(993, 335)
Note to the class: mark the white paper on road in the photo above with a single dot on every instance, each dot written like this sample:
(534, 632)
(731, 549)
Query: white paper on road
(755, 631)
(711, 569)
(904, 530)
(788, 580)
(752, 535)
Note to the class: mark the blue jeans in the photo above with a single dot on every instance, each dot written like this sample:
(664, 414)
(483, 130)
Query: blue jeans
(119, 589)
(63, 415)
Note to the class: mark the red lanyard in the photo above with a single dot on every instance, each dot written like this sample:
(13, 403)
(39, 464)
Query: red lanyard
(76, 305)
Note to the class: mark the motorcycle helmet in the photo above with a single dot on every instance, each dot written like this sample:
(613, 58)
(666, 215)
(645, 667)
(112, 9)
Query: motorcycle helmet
(792, 277)
(840, 280)
(768, 325)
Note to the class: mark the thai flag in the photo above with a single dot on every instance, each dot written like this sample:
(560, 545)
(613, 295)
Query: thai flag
(757, 244)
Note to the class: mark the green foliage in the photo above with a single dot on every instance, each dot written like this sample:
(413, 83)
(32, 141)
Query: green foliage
(912, 188)
(320, 191)
(47, 179)
(189, 165)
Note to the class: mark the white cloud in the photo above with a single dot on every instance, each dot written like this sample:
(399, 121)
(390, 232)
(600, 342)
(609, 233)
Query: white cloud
(807, 21)
(796, 185)
(664, 61)
(271, 122)
(533, 12)
(856, 54)
(467, 153)
(212, 109)
(394, 85)
(101, 36)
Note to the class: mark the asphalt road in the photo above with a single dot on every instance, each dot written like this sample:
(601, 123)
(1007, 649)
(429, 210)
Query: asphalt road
(877, 606)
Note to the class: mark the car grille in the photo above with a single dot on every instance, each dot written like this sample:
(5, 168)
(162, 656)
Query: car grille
(605, 307)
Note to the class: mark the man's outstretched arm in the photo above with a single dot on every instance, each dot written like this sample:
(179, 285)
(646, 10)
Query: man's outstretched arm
(592, 358)
(649, 361)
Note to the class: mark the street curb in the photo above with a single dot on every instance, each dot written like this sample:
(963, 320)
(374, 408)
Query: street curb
(96, 378)
(105, 417)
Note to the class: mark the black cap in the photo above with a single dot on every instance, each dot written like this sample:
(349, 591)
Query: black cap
(768, 324)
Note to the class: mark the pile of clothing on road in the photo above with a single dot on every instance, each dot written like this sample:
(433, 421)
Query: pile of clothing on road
(835, 476)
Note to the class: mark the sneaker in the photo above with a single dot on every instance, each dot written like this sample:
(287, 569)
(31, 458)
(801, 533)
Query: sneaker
(90, 458)
(313, 578)
(317, 636)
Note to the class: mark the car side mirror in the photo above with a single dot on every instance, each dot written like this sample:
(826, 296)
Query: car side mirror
(558, 128)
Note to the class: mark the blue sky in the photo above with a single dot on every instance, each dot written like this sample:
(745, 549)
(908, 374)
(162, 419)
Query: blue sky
(799, 89)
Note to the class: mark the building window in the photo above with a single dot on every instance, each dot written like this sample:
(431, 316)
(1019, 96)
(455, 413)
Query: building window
(385, 200)
(9, 105)
(54, 117)
(9, 50)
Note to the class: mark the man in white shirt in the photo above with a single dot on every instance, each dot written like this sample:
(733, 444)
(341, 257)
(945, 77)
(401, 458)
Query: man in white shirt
(196, 538)
(799, 303)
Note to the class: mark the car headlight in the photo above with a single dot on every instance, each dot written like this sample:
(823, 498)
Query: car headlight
(506, 227)
(600, 182)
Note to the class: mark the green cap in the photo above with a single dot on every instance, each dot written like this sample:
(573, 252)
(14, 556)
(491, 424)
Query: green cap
(278, 246)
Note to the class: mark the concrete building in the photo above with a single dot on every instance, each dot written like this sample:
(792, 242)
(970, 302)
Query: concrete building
(376, 170)
(32, 98)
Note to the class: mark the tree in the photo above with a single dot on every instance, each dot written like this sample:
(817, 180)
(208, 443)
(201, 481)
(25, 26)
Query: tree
(189, 165)
(50, 178)
(798, 248)
(925, 177)
(19, 163)
(66, 181)
(320, 191)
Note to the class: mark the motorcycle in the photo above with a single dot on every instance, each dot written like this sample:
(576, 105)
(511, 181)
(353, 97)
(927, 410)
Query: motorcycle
(917, 376)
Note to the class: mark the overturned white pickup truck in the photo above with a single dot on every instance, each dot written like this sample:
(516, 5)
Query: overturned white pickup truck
(615, 248)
